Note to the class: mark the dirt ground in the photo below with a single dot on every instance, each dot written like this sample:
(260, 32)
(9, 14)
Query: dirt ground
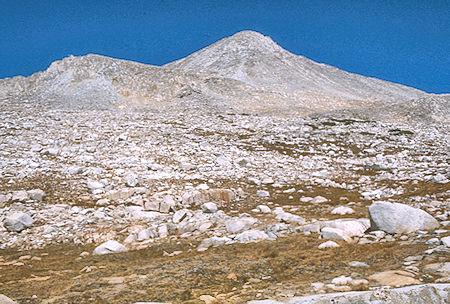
(233, 273)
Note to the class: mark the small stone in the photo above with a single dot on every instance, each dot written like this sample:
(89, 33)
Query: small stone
(262, 193)
(109, 247)
(36, 195)
(317, 286)
(342, 210)
(319, 200)
(209, 207)
(222, 161)
(167, 204)
(342, 280)
(263, 209)
(267, 181)
(93, 186)
(179, 215)
(253, 181)
(328, 244)
(358, 264)
(306, 199)
(131, 180)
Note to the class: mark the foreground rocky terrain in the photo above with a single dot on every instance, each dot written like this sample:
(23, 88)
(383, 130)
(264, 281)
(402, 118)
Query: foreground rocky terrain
(208, 199)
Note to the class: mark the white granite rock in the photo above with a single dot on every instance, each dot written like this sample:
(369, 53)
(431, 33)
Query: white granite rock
(17, 221)
(109, 247)
(400, 218)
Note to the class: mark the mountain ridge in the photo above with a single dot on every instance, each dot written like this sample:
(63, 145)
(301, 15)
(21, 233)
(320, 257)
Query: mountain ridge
(247, 72)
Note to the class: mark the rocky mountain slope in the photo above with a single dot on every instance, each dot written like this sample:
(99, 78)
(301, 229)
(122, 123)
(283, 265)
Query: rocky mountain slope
(246, 72)
(126, 183)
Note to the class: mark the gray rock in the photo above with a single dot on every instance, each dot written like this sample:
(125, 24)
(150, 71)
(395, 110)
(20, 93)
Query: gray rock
(131, 180)
(251, 236)
(17, 221)
(262, 193)
(93, 186)
(253, 181)
(263, 209)
(20, 196)
(319, 200)
(399, 218)
(342, 210)
(209, 207)
(167, 204)
(289, 218)
(109, 247)
(238, 225)
(446, 241)
(37, 195)
(5, 300)
(213, 241)
(335, 234)
(223, 161)
(179, 215)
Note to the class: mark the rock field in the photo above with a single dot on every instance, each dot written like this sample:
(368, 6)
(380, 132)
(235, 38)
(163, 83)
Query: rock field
(190, 203)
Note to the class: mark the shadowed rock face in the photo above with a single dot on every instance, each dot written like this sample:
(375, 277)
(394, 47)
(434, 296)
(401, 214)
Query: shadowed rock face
(245, 72)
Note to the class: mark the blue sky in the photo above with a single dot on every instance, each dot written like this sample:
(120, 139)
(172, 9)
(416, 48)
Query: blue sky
(404, 41)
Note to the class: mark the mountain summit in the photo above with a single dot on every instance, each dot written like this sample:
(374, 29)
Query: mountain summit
(246, 72)
(256, 59)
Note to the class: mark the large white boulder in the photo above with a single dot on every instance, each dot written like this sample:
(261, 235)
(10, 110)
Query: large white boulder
(109, 247)
(17, 221)
(399, 218)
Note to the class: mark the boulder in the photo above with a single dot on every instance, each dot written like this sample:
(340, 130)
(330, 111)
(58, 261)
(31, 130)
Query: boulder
(20, 196)
(399, 218)
(335, 234)
(213, 241)
(5, 300)
(446, 241)
(167, 204)
(251, 236)
(238, 225)
(17, 221)
(209, 207)
(36, 195)
(131, 180)
(109, 247)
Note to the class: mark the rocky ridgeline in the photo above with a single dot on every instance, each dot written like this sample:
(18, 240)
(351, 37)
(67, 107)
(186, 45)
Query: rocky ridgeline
(195, 166)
